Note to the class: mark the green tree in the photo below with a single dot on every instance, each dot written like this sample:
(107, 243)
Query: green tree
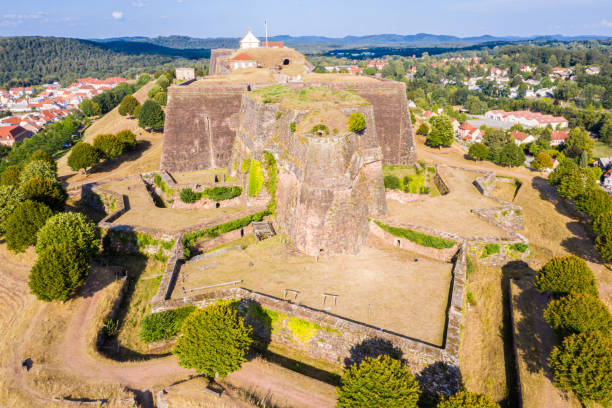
(369, 71)
(356, 122)
(495, 140)
(565, 274)
(23, 224)
(564, 169)
(578, 313)
(163, 82)
(379, 382)
(603, 244)
(580, 140)
(214, 340)
(59, 271)
(143, 79)
(566, 90)
(37, 168)
(83, 156)
(10, 197)
(11, 176)
(465, 399)
(127, 106)
(423, 129)
(44, 156)
(90, 108)
(109, 145)
(128, 139)
(605, 132)
(511, 155)
(542, 161)
(576, 183)
(153, 91)
(582, 364)
(478, 151)
(603, 223)
(151, 116)
(46, 191)
(594, 202)
(161, 98)
(475, 106)
(69, 228)
(442, 132)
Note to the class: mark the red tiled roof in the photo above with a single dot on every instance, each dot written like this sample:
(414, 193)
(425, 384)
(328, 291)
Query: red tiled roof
(559, 135)
(10, 132)
(13, 120)
(243, 56)
(467, 126)
(278, 44)
(520, 135)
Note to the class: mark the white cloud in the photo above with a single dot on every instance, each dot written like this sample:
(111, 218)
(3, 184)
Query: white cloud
(138, 3)
(117, 15)
(605, 23)
(31, 16)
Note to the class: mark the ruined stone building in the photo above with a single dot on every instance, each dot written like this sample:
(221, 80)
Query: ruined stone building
(329, 181)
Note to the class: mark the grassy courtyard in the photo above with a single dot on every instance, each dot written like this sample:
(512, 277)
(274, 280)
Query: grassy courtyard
(380, 286)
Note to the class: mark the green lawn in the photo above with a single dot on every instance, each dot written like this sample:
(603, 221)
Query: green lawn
(601, 150)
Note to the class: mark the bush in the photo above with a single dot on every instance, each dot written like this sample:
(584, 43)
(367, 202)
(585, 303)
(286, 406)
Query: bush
(23, 224)
(38, 168)
(356, 122)
(45, 191)
(223, 193)
(417, 237)
(292, 127)
(214, 340)
(163, 82)
(511, 155)
(161, 98)
(256, 178)
(11, 176)
(320, 130)
(582, 364)
(128, 104)
(478, 151)
(566, 274)
(155, 89)
(542, 161)
(128, 140)
(465, 399)
(423, 129)
(594, 202)
(379, 382)
(83, 156)
(143, 79)
(520, 247)
(442, 132)
(59, 271)
(491, 249)
(109, 145)
(578, 313)
(164, 325)
(187, 195)
(44, 156)
(151, 115)
(392, 182)
(10, 197)
(69, 228)
(603, 244)
(603, 223)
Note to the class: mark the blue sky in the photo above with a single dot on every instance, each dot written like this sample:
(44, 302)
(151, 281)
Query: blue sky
(335, 18)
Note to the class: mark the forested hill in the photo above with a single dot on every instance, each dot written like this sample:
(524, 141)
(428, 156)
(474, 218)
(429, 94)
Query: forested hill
(34, 60)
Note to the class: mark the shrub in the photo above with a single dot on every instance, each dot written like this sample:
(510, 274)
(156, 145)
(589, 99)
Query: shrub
(128, 104)
(356, 122)
(542, 161)
(392, 182)
(379, 382)
(594, 202)
(164, 325)
(69, 228)
(11, 176)
(127, 139)
(23, 224)
(163, 82)
(10, 197)
(566, 274)
(46, 191)
(491, 249)
(478, 151)
(44, 156)
(520, 247)
(423, 129)
(256, 178)
(137, 111)
(292, 127)
(603, 222)
(83, 156)
(578, 313)
(151, 115)
(214, 340)
(320, 130)
(161, 98)
(59, 271)
(465, 399)
(603, 244)
(187, 195)
(38, 168)
(511, 155)
(109, 145)
(442, 132)
(153, 91)
(417, 237)
(223, 193)
(582, 364)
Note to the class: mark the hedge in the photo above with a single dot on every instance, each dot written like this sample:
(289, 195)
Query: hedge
(256, 178)
(417, 237)
(163, 325)
(223, 193)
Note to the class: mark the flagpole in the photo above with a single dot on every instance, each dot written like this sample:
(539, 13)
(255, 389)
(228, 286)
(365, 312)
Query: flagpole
(266, 23)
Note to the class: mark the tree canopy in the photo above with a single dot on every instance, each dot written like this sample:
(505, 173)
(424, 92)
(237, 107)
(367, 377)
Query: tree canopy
(69, 228)
(442, 133)
(565, 274)
(151, 115)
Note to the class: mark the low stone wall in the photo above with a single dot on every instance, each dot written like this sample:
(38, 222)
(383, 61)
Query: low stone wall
(404, 198)
(507, 217)
(112, 314)
(166, 286)
(486, 183)
(444, 255)
(477, 249)
(440, 184)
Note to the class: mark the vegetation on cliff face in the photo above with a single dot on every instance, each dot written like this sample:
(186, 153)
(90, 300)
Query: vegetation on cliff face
(417, 237)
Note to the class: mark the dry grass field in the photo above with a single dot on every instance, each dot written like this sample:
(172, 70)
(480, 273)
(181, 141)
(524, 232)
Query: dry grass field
(241, 76)
(144, 213)
(450, 212)
(202, 176)
(145, 159)
(337, 78)
(370, 284)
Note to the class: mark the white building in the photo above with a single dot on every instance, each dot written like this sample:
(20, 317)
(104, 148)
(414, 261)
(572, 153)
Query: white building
(249, 41)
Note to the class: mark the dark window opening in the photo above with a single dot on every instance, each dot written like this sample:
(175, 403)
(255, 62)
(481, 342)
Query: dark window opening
(286, 61)
(217, 205)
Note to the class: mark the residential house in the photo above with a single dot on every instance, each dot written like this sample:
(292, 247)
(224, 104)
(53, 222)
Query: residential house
(469, 133)
(11, 134)
(242, 60)
(605, 163)
(522, 137)
(606, 184)
(592, 71)
(558, 138)
(428, 114)
(378, 64)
